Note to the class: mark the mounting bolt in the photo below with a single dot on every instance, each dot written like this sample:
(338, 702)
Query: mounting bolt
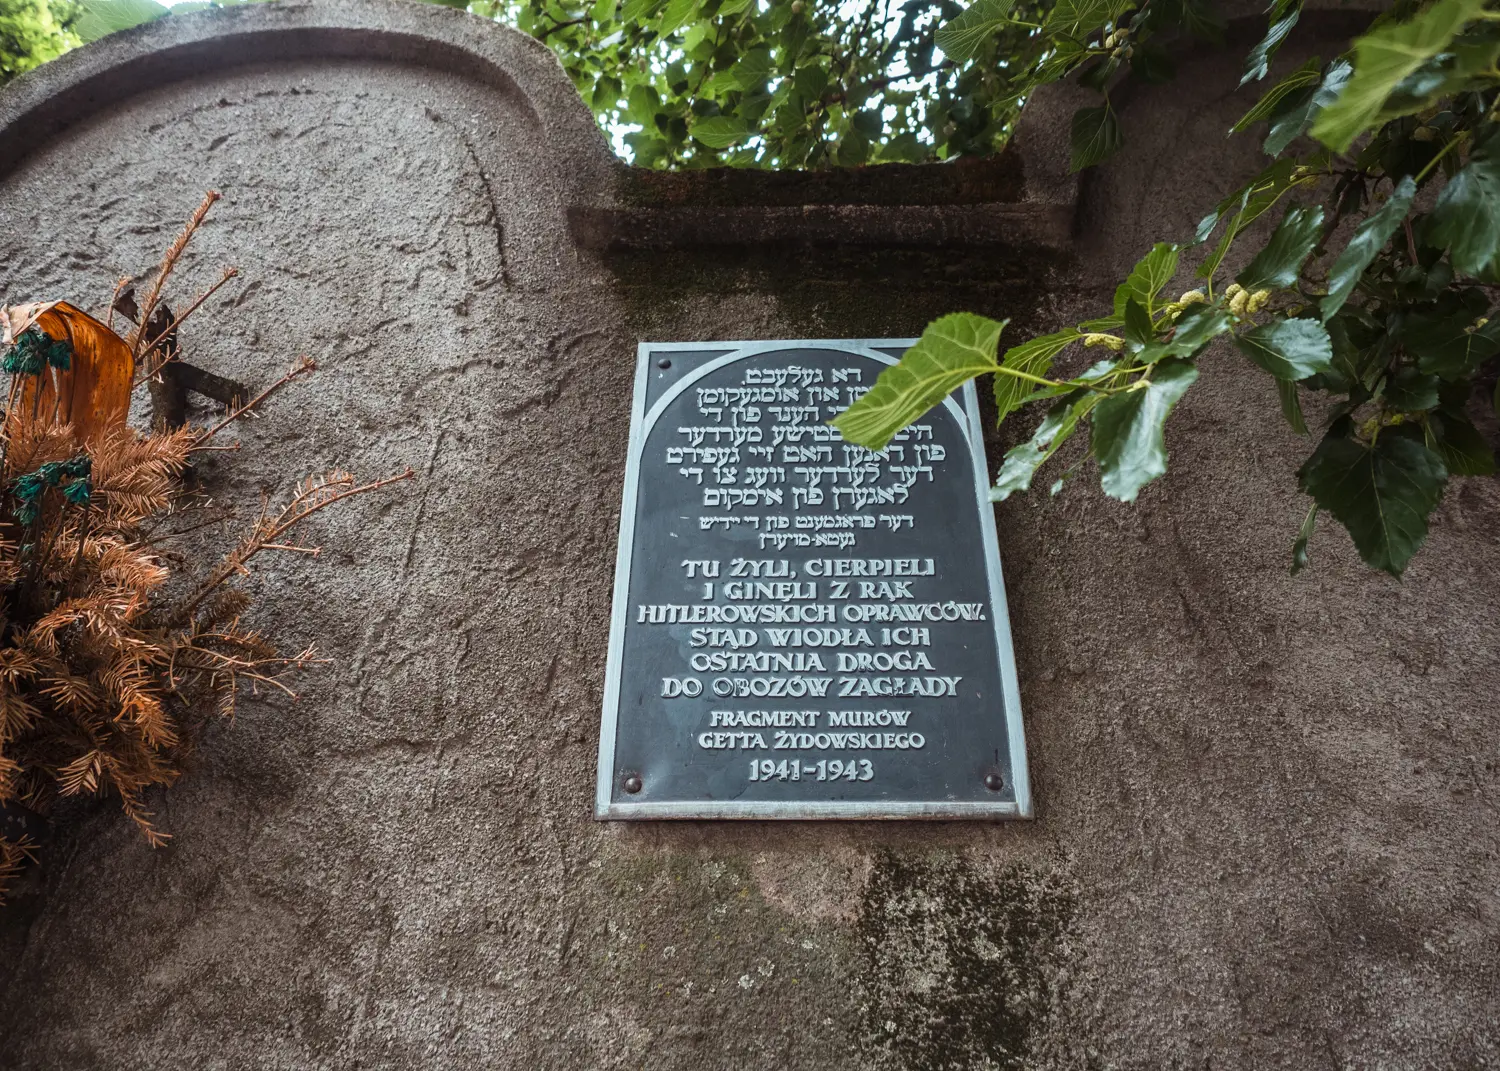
(664, 363)
(632, 783)
(993, 781)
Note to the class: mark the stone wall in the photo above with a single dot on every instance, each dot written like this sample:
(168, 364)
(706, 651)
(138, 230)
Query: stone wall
(1266, 829)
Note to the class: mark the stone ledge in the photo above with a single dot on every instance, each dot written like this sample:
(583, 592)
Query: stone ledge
(967, 181)
(1015, 226)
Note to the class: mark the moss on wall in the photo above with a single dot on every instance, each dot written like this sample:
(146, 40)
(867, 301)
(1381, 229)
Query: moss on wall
(961, 969)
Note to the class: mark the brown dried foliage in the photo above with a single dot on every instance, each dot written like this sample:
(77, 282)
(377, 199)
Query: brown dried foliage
(105, 678)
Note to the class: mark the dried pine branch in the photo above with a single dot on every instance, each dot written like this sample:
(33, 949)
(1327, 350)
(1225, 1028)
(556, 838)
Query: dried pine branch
(305, 366)
(148, 369)
(310, 497)
(168, 264)
(109, 664)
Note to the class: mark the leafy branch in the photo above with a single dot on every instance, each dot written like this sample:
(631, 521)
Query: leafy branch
(1395, 332)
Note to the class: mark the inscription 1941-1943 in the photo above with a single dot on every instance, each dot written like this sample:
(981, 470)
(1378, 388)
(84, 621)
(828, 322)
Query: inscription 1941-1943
(804, 628)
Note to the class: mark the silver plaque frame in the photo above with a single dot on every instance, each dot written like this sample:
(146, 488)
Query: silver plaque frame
(641, 422)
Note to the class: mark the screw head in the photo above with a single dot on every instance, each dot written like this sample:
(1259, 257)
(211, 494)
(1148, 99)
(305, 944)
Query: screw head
(632, 783)
(664, 363)
(993, 781)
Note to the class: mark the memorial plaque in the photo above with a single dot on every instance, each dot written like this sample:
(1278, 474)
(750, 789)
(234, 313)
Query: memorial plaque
(804, 628)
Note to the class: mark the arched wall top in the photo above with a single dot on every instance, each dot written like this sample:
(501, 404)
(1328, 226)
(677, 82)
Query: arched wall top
(43, 103)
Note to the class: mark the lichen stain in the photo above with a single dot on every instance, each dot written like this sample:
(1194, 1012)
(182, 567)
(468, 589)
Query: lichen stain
(961, 970)
(820, 885)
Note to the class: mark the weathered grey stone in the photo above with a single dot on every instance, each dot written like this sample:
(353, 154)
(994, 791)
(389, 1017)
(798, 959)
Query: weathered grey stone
(1266, 831)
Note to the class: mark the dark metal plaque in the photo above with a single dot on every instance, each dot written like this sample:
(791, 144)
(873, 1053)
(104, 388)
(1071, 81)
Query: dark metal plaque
(803, 628)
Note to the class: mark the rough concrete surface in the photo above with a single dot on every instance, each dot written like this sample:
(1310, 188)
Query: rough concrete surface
(1267, 826)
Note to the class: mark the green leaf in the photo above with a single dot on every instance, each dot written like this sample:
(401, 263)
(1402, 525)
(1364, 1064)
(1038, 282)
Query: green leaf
(721, 131)
(1128, 438)
(1458, 442)
(1450, 71)
(677, 13)
(1410, 391)
(1451, 345)
(1382, 494)
(643, 104)
(1077, 18)
(1280, 262)
(1146, 280)
(1258, 63)
(1310, 73)
(696, 42)
(1021, 462)
(1305, 533)
(1350, 358)
(1288, 349)
(811, 79)
(962, 38)
(1466, 218)
(951, 351)
(1067, 53)
(1206, 226)
(1369, 238)
(101, 17)
(749, 72)
(1382, 58)
(1250, 203)
(853, 149)
(1203, 20)
(1139, 331)
(903, 149)
(1195, 328)
(793, 37)
(867, 123)
(1152, 63)
(1034, 357)
(1462, 447)
(1095, 136)
(1096, 371)
(1096, 75)
(1298, 112)
(1291, 404)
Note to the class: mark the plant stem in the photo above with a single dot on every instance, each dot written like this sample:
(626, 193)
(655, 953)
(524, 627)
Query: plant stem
(1461, 136)
(1028, 377)
(229, 273)
(305, 366)
(1053, 383)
